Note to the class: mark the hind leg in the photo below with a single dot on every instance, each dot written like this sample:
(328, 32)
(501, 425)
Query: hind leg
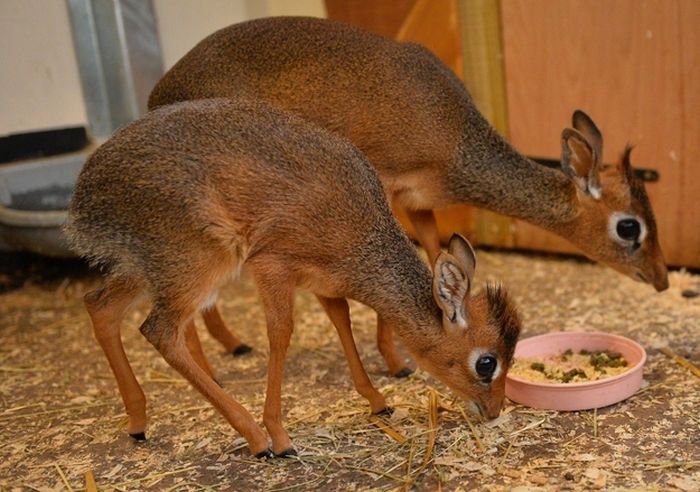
(425, 226)
(195, 348)
(217, 328)
(165, 328)
(387, 347)
(106, 307)
(181, 283)
(277, 294)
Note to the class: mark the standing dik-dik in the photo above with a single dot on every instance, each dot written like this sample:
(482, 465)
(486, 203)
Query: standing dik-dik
(173, 204)
(418, 126)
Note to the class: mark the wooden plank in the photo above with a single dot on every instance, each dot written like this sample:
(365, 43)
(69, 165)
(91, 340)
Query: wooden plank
(484, 76)
(381, 16)
(482, 52)
(435, 25)
(689, 213)
(622, 63)
(529, 236)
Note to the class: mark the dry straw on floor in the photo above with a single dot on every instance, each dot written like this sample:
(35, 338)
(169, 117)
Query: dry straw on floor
(63, 424)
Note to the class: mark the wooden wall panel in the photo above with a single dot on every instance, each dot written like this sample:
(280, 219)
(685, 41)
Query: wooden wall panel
(689, 210)
(632, 66)
(380, 16)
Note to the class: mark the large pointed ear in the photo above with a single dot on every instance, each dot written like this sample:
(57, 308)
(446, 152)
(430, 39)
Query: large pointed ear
(580, 162)
(584, 124)
(452, 279)
(461, 249)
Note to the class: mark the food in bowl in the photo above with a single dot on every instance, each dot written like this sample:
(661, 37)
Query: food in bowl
(570, 366)
(582, 395)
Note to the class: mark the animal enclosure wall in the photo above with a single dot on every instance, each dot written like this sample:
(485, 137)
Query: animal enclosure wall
(633, 66)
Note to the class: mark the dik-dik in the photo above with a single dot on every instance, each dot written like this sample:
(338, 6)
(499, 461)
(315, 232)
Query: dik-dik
(419, 128)
(173, 204)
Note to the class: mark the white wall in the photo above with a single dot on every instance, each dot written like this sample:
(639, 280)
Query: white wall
(39, 81)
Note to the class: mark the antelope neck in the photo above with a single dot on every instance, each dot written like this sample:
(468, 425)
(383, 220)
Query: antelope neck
(411, 311)
(491, 174)
(397, 284)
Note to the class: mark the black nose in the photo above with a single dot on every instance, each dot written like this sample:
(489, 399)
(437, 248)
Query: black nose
(629, 229)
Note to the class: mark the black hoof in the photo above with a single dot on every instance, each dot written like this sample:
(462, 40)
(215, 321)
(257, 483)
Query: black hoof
(385, 412)
(403, 373)
(139, 436)
(287, 453)
(241, 350)
(265, 454)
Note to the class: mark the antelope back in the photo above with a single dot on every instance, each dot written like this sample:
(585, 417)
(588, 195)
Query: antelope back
(228, 180)
(396, 101)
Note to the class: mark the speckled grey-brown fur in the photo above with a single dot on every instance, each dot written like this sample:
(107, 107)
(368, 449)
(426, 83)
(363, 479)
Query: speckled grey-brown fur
(142, 204)
(176, 201)
(414, 120)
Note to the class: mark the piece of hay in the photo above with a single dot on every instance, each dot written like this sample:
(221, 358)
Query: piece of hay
(681, 361)
(432, 427)
(388, 429)
(63, 477)
(90, 484)
(432, 432)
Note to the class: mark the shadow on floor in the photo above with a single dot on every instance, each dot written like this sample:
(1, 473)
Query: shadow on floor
(18, 269)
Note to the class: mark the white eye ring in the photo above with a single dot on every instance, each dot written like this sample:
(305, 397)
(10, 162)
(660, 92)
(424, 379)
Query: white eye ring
(616, 217)
(475, 355)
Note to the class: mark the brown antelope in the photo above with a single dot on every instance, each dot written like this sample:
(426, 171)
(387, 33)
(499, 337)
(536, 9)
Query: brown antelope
(418, 126)
(173, 204)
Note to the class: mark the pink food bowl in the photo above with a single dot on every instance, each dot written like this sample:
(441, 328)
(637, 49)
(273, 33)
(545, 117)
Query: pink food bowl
(577, 396)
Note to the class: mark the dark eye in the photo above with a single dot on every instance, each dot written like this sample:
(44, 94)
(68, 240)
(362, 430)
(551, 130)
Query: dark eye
(486, 365)
(629, 229)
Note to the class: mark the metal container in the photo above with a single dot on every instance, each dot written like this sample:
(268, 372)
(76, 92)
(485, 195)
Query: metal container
(34, 199)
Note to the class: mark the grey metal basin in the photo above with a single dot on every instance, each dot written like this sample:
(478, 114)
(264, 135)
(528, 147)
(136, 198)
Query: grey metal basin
(34, 199)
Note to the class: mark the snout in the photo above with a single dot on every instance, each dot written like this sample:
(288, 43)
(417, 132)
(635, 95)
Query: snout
(492, 411)
(661, 282)
(659, 272)
(487, 411)
(658, 277)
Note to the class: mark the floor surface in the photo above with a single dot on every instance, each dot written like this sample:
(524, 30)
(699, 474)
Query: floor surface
(61, 418)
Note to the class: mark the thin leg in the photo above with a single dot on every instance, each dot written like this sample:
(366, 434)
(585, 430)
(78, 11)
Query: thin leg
(216, 326)
(387, 347)
(339, 313)
(426, 232)
(195, 348)
(277, 295)
(165, 330)
(106, 307)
